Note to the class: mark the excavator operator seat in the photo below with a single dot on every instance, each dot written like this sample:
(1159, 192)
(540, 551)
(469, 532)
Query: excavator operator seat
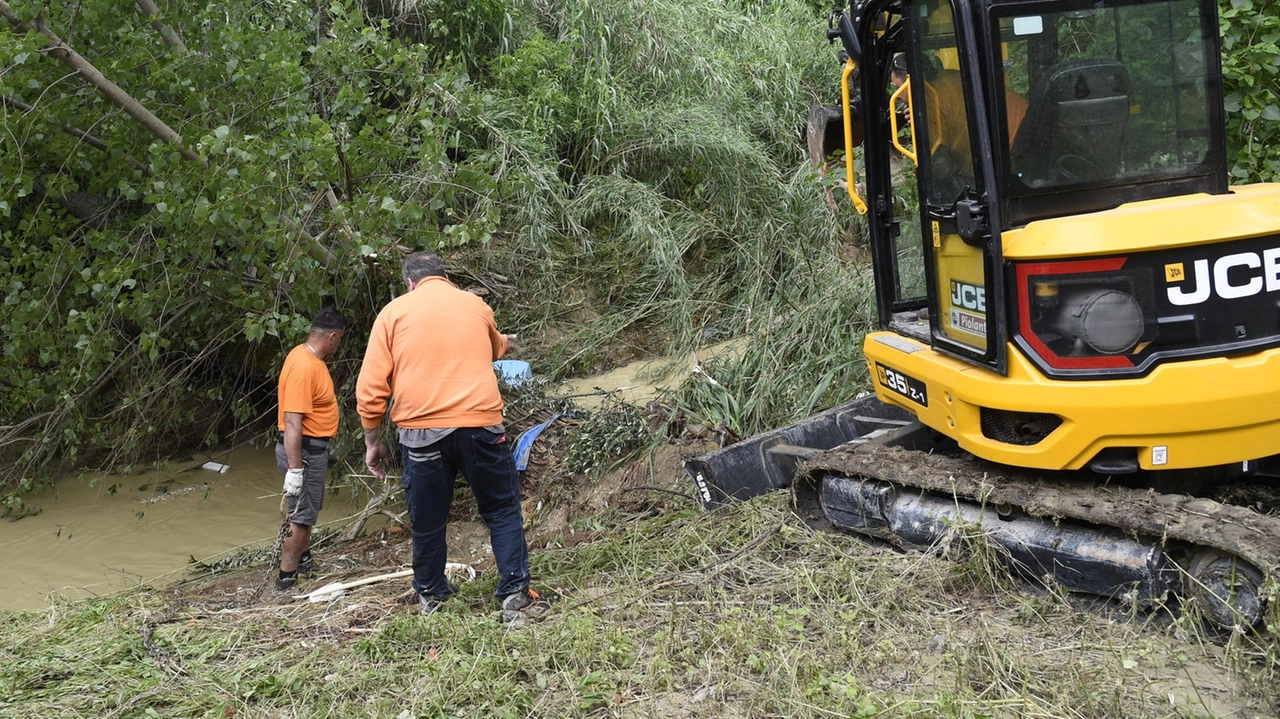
(1074, 129)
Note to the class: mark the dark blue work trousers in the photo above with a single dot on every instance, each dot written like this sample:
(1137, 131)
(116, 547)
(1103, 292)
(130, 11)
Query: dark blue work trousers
(485, 459)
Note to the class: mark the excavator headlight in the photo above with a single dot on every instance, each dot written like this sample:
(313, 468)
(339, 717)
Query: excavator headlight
(1084, 314)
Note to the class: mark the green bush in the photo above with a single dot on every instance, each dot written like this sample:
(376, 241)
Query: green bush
(1251, 75)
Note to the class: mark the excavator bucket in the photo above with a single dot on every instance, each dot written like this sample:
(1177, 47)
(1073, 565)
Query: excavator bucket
(768, 461)
(824, 134)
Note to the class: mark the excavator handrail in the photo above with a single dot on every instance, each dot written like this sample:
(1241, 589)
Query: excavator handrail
(858, 204)
(893, 122)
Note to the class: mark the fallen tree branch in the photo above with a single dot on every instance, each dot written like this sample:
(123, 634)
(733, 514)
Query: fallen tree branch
(315, 245)
(75, 132)
(397, 517)
(374, 506)
(334, 205)
(171, 36)
(89, 140)
(113, 92)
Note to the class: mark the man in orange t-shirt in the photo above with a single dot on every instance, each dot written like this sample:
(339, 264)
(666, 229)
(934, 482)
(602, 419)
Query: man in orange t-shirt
(307, 419)
(433, 349)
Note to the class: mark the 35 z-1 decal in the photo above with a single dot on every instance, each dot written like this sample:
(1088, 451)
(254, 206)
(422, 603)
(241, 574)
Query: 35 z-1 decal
(909, 387)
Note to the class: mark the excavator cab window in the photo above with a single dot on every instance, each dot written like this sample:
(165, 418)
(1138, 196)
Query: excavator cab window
(942, 115)
(1022, 110)
(1117, 94)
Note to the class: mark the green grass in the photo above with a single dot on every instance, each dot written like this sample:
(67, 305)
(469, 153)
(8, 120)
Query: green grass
(744, 612)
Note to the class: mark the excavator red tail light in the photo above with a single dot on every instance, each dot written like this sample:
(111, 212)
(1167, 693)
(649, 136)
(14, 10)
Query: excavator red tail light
(1084, 317)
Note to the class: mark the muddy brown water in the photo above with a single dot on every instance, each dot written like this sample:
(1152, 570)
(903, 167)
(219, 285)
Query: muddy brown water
(104, 533)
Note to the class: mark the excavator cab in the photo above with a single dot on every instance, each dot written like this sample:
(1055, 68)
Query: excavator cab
(1079, 343)
(1071, 174)
(1026, 113)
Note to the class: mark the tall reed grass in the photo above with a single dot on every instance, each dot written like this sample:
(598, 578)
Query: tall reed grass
(661, 197)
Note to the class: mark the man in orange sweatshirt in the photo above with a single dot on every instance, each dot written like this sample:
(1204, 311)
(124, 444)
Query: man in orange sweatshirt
(432, 350)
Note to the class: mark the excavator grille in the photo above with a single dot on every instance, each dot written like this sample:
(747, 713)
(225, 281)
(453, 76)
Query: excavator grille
(1023, 428)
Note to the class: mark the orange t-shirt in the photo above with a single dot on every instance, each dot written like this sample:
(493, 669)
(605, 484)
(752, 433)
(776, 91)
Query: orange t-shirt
(307, 388)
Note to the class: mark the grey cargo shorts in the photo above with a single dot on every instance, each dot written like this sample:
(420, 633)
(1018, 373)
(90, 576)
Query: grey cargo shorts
(305, 508)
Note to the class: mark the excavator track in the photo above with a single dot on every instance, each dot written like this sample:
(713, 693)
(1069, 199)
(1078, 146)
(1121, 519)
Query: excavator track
(1091, 535)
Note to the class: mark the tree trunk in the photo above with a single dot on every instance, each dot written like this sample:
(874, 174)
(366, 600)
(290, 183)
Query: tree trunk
(315, 245)
(375, 506)
(109, 89)
(171, 36)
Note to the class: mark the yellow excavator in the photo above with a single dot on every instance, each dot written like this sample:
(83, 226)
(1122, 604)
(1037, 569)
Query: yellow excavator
(1079, 349)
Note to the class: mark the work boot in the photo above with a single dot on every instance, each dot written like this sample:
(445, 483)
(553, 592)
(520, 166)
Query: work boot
(522, 607)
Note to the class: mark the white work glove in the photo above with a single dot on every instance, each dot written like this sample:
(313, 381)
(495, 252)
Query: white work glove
(293, 482)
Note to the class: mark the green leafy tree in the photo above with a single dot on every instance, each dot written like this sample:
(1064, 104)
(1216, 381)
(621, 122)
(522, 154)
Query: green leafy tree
(174, 210)
(157, 260)
(1251, 74)
(617, 176)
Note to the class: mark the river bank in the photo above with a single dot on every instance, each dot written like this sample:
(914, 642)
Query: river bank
(662, 611)
(98, 534)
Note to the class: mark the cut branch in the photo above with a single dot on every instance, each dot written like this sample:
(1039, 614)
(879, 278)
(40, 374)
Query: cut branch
(315, 246)
(171, 36)
(375, 506)
(109, 89)
(75, 132)
(334, 205)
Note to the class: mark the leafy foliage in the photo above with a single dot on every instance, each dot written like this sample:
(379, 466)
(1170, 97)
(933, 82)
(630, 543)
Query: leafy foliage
(606, 437)
(148, 297)
(618, 165)
(1251, 74)
(616, 175)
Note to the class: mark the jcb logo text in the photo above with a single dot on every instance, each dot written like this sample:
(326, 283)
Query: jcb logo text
(1243, 274)
(970, 297)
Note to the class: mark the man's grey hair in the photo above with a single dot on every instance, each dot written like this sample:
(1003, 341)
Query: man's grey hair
(420, 265)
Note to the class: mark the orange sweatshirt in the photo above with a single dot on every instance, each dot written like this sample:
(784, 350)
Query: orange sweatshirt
(432, 349)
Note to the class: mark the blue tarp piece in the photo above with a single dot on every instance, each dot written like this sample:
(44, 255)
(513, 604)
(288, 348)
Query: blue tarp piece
(524, 443)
